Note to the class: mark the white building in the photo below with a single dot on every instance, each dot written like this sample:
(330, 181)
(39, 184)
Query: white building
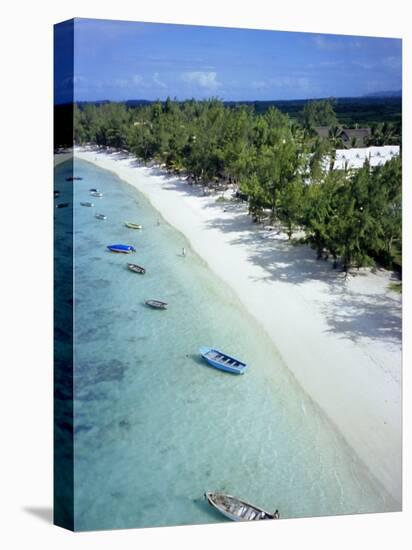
(355, 158)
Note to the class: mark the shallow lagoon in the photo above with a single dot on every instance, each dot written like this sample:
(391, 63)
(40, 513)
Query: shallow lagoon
(155, 427)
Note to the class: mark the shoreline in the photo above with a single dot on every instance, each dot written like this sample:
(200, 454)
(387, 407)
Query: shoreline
(340, 339)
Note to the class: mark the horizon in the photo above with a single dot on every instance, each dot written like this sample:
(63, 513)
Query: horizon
(121, 60)
(397, 94)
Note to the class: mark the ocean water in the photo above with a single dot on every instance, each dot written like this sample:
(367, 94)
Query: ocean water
(155, 427)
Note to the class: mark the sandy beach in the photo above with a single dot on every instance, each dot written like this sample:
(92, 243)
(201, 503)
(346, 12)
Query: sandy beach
(62, 156)
(340, 338)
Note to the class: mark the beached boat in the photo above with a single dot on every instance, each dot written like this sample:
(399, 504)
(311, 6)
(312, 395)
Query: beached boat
(157, 304)
(122, 248)
(62, 205)
(222, 361)
(96, 194)
(74, 178)
(87, 204)
(136, 268)
(131, 225)
(101, 216)
(236, 509)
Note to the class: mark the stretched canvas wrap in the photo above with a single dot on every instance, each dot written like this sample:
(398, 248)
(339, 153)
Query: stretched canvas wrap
(228, 260)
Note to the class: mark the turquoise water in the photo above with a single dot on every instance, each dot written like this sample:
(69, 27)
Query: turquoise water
(155, 427)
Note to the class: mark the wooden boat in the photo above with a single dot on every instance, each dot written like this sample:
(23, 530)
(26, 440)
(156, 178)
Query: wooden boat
(122, 248)
(62, 205)
(96, 194)
(87, 204)
(236, 509)
(131, 225)
(222, 361)
(73, 178)
(100, 216)
(157, 304)
(136, 268)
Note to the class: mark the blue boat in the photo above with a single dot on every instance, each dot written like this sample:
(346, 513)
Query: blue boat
(123, 248)
(222, 361)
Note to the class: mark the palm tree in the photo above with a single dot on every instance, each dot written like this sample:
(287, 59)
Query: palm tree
(335, 140)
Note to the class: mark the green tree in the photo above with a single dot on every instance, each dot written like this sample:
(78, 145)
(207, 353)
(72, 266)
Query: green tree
(318, 113)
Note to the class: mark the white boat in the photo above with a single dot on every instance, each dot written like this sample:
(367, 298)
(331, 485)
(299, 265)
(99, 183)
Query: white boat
(236, 509)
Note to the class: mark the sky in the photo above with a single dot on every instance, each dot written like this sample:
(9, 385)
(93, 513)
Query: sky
(121, 60)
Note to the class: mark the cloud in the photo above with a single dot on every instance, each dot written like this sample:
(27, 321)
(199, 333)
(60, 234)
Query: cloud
(158, 81)
(330, 63)
(392, 62)
(333, 43)
(364, 65)
(203, 79)
(299, 83)
(121, 83)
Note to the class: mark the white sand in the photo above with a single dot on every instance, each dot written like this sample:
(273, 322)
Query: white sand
(341, 339)
(62, 156)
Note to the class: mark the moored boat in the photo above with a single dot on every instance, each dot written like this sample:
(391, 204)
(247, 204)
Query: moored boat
(236, 509)
(74, 178)
(87, 204)
(131, 225)
(156, 304)
(122, 248)
(62, 205)
(96, 194)
(93, 190)
(222, 361)
(100, 216)
(136, 268)
(56, 194)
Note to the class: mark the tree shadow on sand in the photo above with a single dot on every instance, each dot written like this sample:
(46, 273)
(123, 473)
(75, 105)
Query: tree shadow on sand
(351, 313)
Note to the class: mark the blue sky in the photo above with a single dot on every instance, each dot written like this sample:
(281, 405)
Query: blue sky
(121, 60)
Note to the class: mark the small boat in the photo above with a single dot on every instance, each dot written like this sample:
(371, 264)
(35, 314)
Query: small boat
(222, 361)
(62, 205)
(131, 225)
(236, 509)
(100, 216)
(93, 190)
(136, 268)
(74, 178)
(122, 248)
(96, 194)
(56, 194)
(156, 304)
(87, 204)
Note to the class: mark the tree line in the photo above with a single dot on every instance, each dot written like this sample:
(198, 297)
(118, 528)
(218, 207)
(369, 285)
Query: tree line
(281, 167)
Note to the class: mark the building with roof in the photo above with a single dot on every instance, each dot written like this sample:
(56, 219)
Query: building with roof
(351, 137)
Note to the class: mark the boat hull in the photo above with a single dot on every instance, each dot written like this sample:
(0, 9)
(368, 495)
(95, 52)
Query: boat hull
(136, 269)
(236, 509)
(133, 225)
(156, 304)
(121, 248)
(240, 368)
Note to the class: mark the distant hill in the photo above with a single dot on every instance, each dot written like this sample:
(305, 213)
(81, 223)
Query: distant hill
(390, 93)
(351, 111)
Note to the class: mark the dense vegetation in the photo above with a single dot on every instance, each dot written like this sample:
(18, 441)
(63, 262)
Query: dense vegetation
(353, 217)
